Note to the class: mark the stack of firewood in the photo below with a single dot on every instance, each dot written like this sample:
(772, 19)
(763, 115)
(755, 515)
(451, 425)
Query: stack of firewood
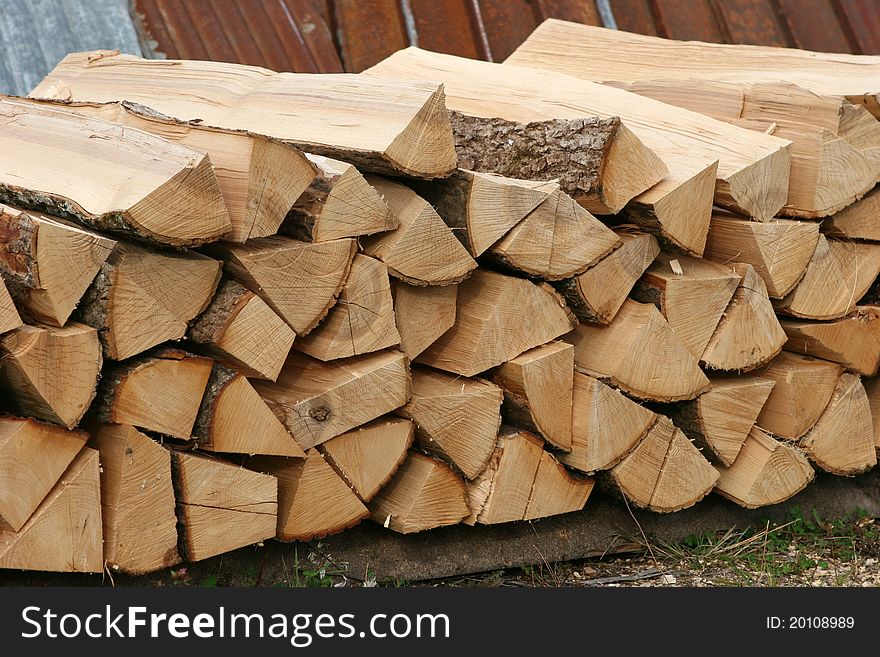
(238, 304)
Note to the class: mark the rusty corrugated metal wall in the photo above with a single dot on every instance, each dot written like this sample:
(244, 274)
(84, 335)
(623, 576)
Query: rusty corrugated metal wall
(335, 35)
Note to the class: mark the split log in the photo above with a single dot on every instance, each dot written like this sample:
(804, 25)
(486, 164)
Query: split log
(749, 334)
(298, 280)
(752, 174)
(842, 440)
(640, 354)
(778, 250)
(410, 135)
(313, 501)
(362, 320)
(558, 239)
(481, 208)
(50, 373)
(220, 506)
(100, 174)
(64, 533)
(317, 401)
(666, 472)
(858, 221)
(241, 330)
(367, 457)
(48, 264)
(422, 250)
(766, 472)
(486, 333)
(160, 392)
(422, 314)
(691, 293)
(720, 420)
(339, 203)
(141, 297)
(597, 294)
(606, 425)
(537, 389)
(838, 275)
(9, 317)
(423, 494)
(233, 418)
(556, 490)
(853, 341)
(259, 177)
(137, 500)
(456, 418)
(872, 389)
(599, 162)
(33, 456)
(804, 386)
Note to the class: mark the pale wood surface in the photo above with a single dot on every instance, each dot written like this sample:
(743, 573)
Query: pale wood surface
(9, 317)
(422, 314)
(137, 500)
(556, 490)
(853, 341)
(858, 221)
(51, 373)
(489, 327)
(48, 263)
(109, 177)
(317, 401)
(424, 493)
(455, 417)
(33, 456)
(872, 389)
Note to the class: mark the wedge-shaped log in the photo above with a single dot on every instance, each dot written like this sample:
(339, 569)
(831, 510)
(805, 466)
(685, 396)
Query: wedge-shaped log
(233, 418)
(537, 389)
(872, 389)
(766, 472)
(317, 401)
(313, 500)
(241, 330)
(422, 314)
(606, 425)
(137, 500)
(368, 456)
(719, 420)
(597, 294)
(856, 222)
(160, 392)
(587, 156)
(842, 440)
(9, 317)
(691, 293)
(749, 334)
(778, 250)
(124, 181)
(338, 203)
(48, 263)
(804, 386)
(640, 354)
(220, 506)
(481, 208)
(556, 240)
(456, 419)
(33, 456)
(556, 490)
(299, 280)
(403, 127)
(753, 168)
(259, 177)
(838, 275)
(853, 341)
(50, 373)
(486, 334)
(422, 250)
(423, 494)
(142, 297)
(64, 534)
(666, 472)
(362, 320)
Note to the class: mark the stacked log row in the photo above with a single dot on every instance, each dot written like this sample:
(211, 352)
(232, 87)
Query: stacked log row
(472, 306)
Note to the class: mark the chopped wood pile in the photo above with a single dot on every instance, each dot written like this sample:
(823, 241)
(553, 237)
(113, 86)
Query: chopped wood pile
(239, 305)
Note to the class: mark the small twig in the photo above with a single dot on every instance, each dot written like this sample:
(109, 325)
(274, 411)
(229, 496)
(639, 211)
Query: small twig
(646, 574)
